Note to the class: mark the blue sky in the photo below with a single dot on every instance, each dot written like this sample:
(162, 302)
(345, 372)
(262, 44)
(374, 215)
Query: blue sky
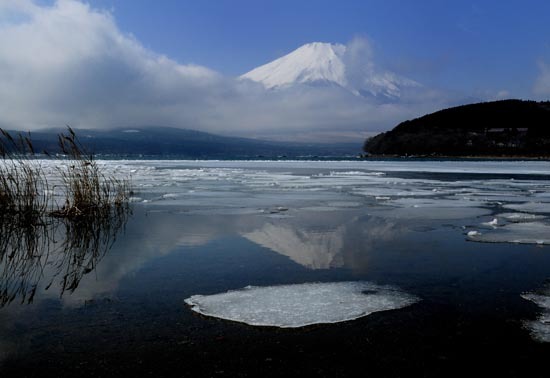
(472, 46)
(128, 63)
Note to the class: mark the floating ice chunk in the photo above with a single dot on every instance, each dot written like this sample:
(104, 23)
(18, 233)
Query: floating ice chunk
(473, 233)
(344, 204)
(291, 306)
(540, 328)
(520, 217)
(545, 195)
(492, 223)
(356, 173)
(279, 216)
(523, 233)
(531, 207)
(320, 208)
(392, 189)
(223, 211)
(430, 213)
(435, 202)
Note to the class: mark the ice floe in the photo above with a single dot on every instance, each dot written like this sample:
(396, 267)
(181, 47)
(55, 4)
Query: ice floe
(540, 328)
(436, 202)
(520, 217)
(299, 305)
(431, 213)
(432, 208)
(530, 207)
(523, 233)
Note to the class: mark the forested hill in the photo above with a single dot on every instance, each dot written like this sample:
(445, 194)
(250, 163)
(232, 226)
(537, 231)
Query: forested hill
(499, 128)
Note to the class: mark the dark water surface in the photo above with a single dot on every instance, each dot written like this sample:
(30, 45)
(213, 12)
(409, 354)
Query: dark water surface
(126, 313)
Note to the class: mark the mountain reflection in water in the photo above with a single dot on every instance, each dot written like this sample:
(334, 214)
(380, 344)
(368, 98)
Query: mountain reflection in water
(52, 251)
(330, 244)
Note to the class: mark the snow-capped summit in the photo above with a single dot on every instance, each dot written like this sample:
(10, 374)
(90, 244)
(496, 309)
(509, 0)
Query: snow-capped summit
(327, 63)
(310, 63)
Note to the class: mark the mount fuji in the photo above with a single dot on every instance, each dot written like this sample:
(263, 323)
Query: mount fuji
(328, 64)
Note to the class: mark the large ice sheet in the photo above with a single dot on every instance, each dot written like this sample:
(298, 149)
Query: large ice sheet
(523, 233)
(501, 167)
(292, 306)
(235, 187)
(540, 328)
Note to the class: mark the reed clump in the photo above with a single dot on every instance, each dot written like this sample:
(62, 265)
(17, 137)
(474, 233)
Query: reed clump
(27, 195)
(37, 232)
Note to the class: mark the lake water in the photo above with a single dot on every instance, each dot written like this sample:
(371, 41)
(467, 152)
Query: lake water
(449, 259)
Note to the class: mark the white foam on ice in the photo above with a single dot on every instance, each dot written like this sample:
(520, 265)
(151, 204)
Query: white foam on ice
(522, 233)
(292, 306)
(540, 328)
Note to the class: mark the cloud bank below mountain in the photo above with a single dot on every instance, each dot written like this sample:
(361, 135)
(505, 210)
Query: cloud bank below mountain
(70, 64)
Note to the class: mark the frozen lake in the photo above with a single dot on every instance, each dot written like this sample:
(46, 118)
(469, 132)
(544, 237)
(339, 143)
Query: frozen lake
(393, 264)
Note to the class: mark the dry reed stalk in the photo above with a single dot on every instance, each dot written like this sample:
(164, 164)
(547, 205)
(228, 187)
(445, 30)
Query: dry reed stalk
(88, 191)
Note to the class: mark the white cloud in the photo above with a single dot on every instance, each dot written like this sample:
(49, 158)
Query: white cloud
(70, 64)
(542, 83)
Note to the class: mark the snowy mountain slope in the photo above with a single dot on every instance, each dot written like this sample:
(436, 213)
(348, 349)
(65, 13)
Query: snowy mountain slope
(309, 63)
(326, 63)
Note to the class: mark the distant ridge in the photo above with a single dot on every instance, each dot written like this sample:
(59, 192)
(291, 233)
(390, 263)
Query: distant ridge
(156, 141)
(498, 128)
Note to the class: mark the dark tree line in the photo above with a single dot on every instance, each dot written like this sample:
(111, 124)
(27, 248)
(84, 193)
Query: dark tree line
(499, 128)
